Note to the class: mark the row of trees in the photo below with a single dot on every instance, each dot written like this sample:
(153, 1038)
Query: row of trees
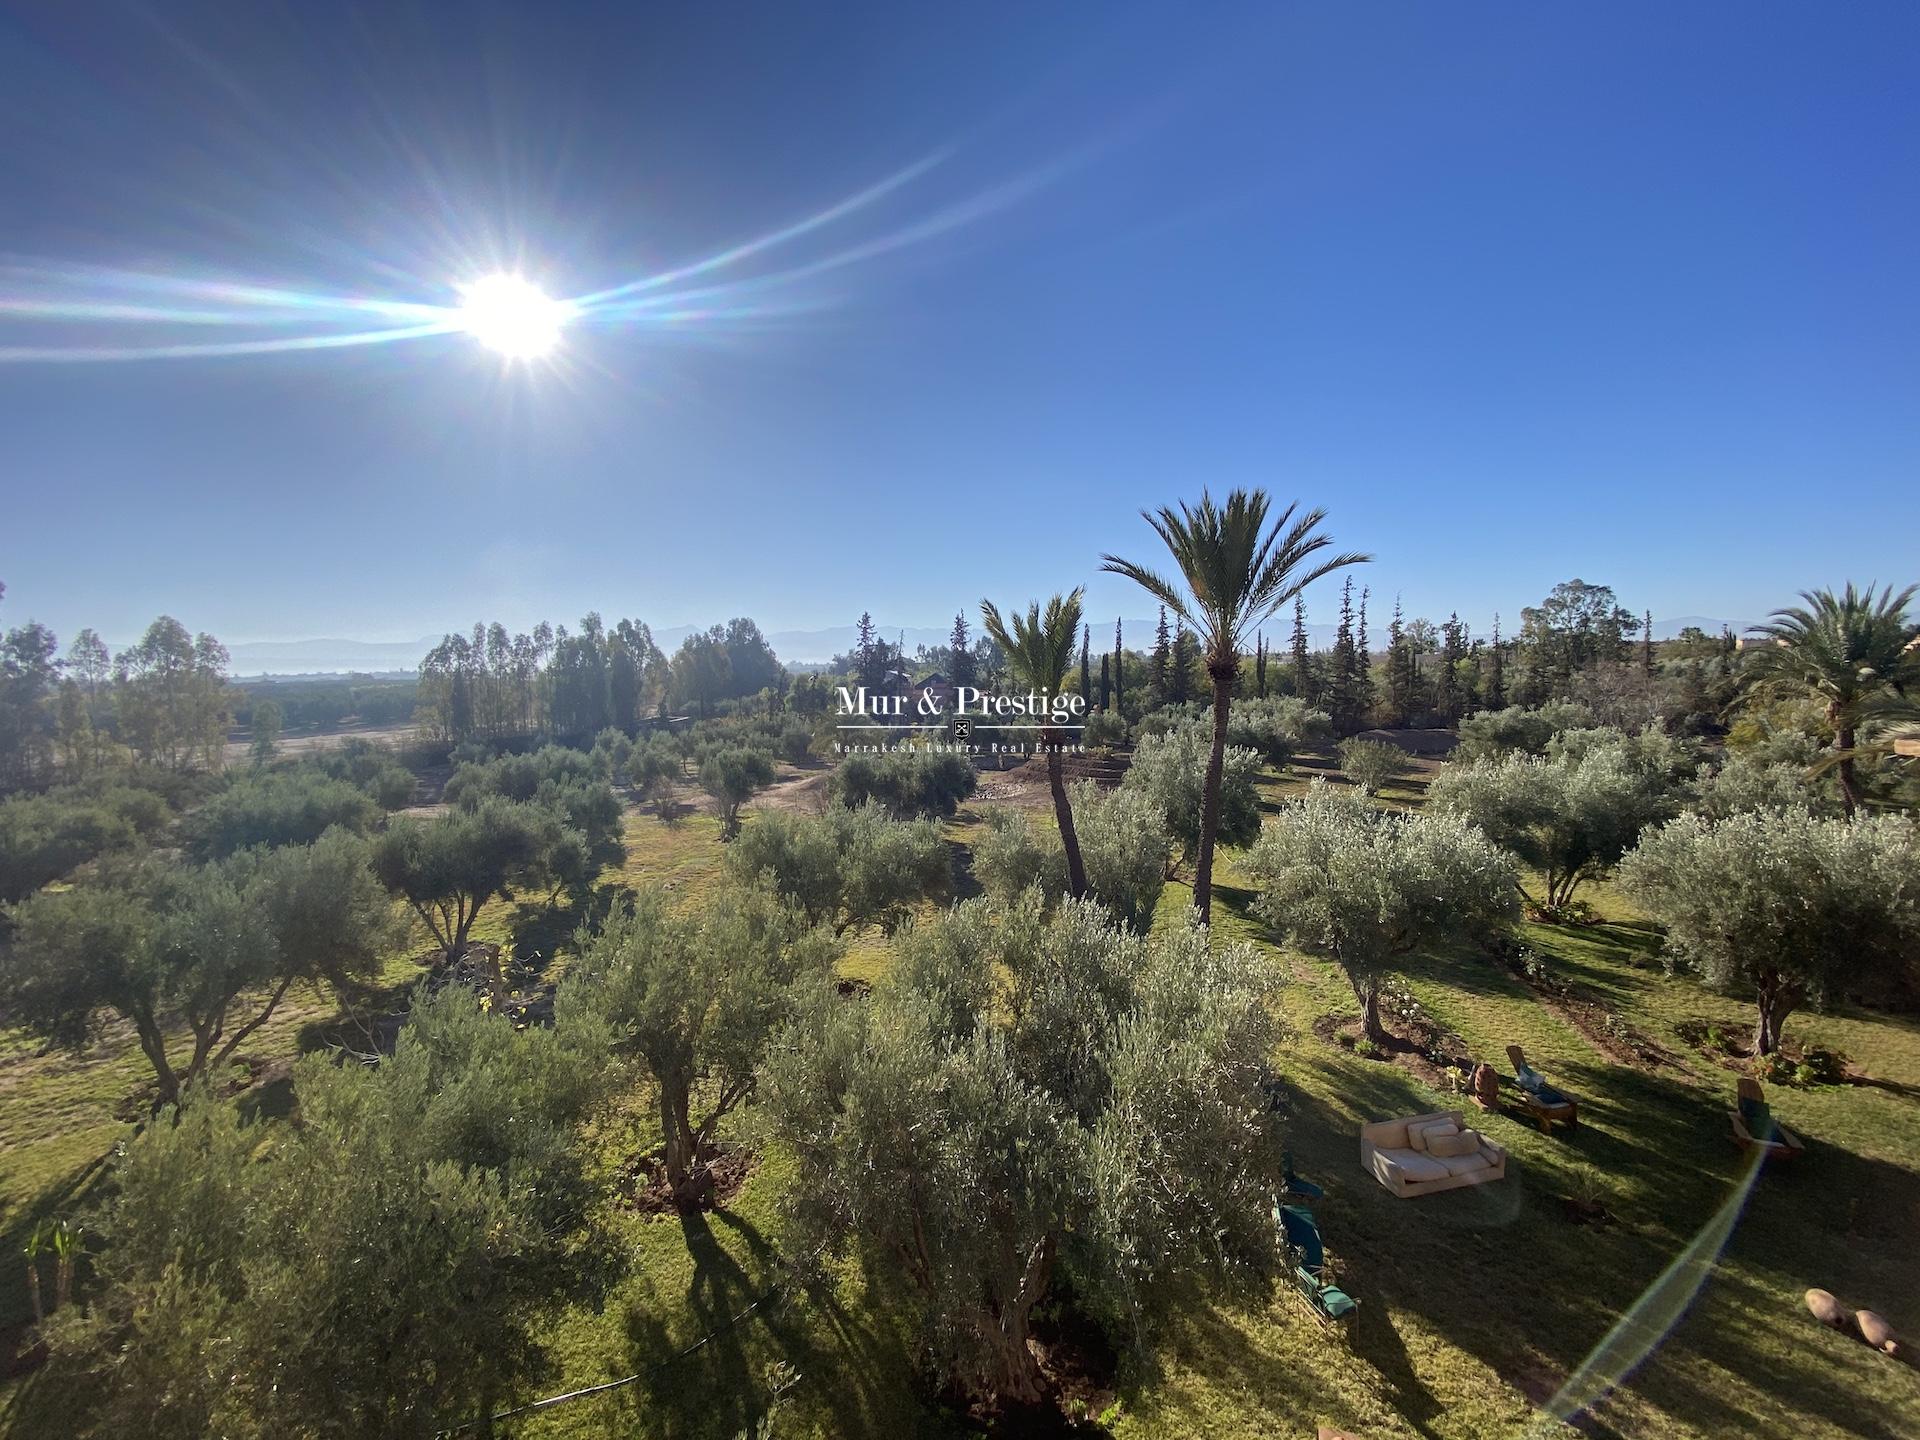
(493, 685)
(162, 702)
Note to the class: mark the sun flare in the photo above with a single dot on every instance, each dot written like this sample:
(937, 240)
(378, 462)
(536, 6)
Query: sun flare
(511, 315)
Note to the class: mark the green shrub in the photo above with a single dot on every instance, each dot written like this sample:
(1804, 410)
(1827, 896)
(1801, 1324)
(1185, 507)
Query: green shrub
(906, 783)
(1124, 845)
(1371, 764)
(847, 867)
(1170, 770)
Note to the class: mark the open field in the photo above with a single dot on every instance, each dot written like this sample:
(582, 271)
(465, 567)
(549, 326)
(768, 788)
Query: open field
(1476, 1305)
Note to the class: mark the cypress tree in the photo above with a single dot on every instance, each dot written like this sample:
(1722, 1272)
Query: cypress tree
(1159, 665)
(1180, 683)
(1496, 672)
(1303, 685)
(1119, 670)
(961, 660)
(1086, 670)
(1106, 680)
(1646, 643)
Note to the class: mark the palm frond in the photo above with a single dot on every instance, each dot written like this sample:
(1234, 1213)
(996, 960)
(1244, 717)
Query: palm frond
(1038, 646)
(1237, 568)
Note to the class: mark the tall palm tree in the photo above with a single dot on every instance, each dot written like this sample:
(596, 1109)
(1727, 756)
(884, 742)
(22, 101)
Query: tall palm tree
(1037, 650)
(1235, 570)
(1851, 651)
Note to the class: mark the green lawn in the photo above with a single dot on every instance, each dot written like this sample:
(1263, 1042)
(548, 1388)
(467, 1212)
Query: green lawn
(1476, 1305)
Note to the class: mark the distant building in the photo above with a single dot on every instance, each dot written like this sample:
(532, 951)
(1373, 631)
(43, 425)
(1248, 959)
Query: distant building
(936, 686)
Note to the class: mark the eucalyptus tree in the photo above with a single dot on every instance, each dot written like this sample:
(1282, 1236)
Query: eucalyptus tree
(1038, 650)
(1851, 652)
(1234, 572)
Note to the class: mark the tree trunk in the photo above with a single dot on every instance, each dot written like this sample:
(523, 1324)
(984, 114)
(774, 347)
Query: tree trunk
(1849, 779)
(1017, 1375)
(686, 1178)
(1775, 1003)
(154, 1046)
(1063, 812)
(1210, 796)
(1368, 995)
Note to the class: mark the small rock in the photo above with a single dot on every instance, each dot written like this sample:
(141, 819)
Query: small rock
(1826, 1309)
(1875, 1330)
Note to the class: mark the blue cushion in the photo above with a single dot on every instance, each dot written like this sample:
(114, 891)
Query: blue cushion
(1337, 1303)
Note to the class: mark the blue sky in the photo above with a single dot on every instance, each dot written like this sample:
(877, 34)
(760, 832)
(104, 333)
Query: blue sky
(1516, 292)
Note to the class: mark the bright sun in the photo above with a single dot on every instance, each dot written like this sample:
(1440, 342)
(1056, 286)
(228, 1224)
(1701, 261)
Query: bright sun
(508, 313)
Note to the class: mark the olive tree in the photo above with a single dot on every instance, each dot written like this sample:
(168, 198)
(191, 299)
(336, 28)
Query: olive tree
(1032, 1097)
(1569, 817)
(372, 1270)
(908, 783)
(1747, 782)
(697, 999)
(1368, 887)
(731, 775)
(847, 868)
(1782, 905)
(1371, 764)
(1493, 733)
(1171, 770)
(288, 807)
(1123, 839)
(213, 948)
(449, 868)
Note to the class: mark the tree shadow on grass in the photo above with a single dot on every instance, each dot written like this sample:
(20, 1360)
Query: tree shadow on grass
(743, 1314)
(68, 1198)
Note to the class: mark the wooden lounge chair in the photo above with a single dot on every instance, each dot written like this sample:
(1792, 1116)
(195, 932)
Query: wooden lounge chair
(1754, 1127)
(1544, 1103)
(1306, 1261)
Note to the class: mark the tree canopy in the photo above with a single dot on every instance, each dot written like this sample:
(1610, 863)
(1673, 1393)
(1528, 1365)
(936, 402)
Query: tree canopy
(1028, 1098)
(1792, 909)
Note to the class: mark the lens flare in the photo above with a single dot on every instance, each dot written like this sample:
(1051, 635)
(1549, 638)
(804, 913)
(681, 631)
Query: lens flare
(55, 313)
(512, 315)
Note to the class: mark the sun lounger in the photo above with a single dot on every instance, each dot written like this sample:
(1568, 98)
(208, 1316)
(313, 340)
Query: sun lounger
(1306, 1260)
(1544, 1103)
(1754, 1127)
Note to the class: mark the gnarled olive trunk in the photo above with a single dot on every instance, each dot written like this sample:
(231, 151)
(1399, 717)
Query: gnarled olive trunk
(1016, 1373)
(1775, 999)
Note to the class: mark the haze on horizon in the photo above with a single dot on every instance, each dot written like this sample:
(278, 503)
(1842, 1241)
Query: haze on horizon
(1517, 295)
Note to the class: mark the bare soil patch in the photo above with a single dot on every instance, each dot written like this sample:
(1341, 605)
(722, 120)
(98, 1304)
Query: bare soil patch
(642, 1181)
(1421, 1048)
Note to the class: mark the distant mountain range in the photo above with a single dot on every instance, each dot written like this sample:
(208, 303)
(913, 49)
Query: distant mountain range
(795, 647)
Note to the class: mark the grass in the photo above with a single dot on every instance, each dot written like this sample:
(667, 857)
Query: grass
(1476, 1305)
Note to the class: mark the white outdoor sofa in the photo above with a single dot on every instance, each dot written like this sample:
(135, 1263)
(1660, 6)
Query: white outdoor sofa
(1396, 1153)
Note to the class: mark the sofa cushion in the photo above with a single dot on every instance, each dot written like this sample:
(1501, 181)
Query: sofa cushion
(1411, 1165)
(1464, 1164)
(1421, 1137)
(1442, 1143)
(1387, 1134)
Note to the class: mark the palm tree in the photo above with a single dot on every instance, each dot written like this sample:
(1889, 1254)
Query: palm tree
(1851, 651)
(1038, 652)
(1236, 572)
